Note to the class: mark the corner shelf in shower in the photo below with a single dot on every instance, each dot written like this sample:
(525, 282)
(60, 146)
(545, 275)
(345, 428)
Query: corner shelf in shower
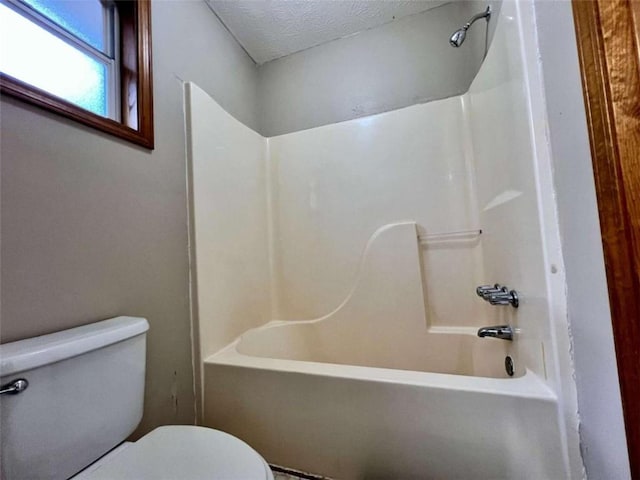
(456, 235)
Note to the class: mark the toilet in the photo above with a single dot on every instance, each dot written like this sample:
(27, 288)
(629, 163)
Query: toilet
(82, 398)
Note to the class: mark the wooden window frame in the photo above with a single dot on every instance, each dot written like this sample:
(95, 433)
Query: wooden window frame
(136, 82)
(608, 37)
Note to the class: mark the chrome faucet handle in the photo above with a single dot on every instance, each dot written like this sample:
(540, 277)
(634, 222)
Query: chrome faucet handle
(485, 290)
(498, 295)
(498, 299)
(504, 298)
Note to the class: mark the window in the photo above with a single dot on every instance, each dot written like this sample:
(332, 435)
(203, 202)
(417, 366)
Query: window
(89, 60)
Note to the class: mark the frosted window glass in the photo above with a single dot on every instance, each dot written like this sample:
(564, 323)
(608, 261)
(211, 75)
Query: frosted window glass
(35, 56)
(83, 18)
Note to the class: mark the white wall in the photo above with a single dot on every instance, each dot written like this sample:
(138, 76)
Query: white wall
(604, 448)
(505, 175)
(328, 189)
(209, 55)
(227, 163)
(402, 63)
(335, 185)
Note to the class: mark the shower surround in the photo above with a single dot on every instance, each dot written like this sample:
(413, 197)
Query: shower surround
(336, 334)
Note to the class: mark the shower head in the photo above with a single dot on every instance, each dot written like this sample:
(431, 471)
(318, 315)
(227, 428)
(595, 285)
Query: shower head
(458, 36)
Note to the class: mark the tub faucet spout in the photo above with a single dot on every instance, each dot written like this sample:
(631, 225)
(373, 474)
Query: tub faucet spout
(503, 332)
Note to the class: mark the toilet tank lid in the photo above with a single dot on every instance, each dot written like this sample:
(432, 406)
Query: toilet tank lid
(35, 352)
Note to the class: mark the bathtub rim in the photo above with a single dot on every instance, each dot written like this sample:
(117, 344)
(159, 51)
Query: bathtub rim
(528, 385)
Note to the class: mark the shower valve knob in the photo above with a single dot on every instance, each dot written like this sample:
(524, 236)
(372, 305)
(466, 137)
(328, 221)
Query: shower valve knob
(498, 295)
(504, 298)
(485, 290)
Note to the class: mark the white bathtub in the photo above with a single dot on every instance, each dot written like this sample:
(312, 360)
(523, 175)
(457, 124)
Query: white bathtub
(354, 422)
(367, 393)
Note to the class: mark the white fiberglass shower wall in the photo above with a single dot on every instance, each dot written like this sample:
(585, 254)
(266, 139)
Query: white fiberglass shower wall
(310, 225)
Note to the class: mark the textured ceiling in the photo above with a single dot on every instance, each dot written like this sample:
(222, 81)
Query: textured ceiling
(270, 29)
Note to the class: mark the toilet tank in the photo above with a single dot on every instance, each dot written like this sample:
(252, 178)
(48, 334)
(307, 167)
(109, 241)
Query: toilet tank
(85, 396)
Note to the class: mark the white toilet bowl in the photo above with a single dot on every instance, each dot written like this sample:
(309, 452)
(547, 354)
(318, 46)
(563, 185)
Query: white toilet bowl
(181, 452)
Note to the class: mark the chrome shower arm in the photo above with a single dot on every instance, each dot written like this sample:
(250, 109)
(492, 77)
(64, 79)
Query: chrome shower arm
(486, 14)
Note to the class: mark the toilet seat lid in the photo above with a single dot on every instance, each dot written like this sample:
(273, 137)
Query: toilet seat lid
(186, 453)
